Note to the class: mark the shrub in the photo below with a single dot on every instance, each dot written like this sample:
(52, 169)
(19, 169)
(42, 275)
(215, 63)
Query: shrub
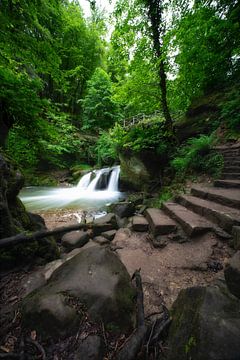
(106, 149)
(230, 114)
(196, 156)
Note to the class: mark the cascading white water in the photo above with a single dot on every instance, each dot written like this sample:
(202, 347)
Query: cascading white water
(114, 179)
(86, 183)
(83, 196)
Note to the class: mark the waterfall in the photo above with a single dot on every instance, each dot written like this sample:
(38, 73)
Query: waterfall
(104, 179)
(84, 181)
(95, 189)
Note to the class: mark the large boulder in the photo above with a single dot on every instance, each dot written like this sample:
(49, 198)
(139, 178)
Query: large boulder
(94, 281)
(139, 171)
(205, 325)
(15, 219)
(232, 274)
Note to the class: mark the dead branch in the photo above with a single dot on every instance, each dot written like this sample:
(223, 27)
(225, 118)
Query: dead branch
(38, 347)
(21, 238)
(133, 344)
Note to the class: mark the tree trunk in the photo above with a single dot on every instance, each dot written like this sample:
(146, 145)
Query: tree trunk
(155, 10)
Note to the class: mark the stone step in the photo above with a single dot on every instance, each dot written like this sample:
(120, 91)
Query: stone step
(159, 222)
(227, 147)
(224, 216)
(192, 223)
(227, 152)
(235, 163)
(227, 183)
(230, 176)
(139, 223)
(227, 197)
(230, 151)
(231, 169)
(231, 160)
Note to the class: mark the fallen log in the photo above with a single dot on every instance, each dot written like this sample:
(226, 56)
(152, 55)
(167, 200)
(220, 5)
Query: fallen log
(21, 238)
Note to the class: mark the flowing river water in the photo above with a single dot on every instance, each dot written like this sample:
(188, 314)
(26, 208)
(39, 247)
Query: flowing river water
(94, 190)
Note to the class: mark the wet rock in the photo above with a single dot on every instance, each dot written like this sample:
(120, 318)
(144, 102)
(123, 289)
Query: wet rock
(123, 209)
(75, 239)
(101, 240)
(109, 234)
(205, 325)
(104, 223)
(139, 223)
(92, 348)
(232, 274)
(95, 280)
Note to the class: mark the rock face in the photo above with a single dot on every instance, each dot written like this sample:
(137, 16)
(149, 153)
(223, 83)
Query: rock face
(15, 219)
(95, 280)
(137, 172)
(232, 274)
(205, 325)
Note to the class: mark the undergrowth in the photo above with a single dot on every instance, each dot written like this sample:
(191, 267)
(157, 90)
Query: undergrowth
(197, 156)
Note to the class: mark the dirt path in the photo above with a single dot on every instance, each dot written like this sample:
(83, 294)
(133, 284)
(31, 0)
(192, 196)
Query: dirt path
(166, 271)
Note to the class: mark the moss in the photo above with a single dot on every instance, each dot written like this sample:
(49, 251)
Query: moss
(185, 317)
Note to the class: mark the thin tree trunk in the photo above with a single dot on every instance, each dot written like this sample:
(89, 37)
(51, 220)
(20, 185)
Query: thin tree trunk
(155, 16)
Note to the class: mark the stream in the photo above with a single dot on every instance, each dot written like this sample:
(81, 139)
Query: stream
(94, 190)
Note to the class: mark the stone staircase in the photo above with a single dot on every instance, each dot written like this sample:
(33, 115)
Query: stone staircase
(215, 208)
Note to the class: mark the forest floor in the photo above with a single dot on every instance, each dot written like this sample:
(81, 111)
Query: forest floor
(164, 272)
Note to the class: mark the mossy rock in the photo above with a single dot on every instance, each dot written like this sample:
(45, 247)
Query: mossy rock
(96, 280)
(15, 219)
(205, 325)
(138, 171)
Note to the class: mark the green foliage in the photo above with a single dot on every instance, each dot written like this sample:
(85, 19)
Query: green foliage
(196, 157)
(106, 150)
(190, 344)
(230, 114)
(48, 52)
(205, 42)
(148, 134)
(49, 140)
(100, 111)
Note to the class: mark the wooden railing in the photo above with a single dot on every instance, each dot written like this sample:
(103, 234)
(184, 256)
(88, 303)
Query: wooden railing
(134, 120)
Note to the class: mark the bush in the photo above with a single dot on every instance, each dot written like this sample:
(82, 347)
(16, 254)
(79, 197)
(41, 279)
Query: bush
(148, 134)
(230, 115)
(106, 149)
(196, 157)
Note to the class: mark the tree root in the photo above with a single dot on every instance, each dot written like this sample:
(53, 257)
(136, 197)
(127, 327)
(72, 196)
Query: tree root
(138, 339)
